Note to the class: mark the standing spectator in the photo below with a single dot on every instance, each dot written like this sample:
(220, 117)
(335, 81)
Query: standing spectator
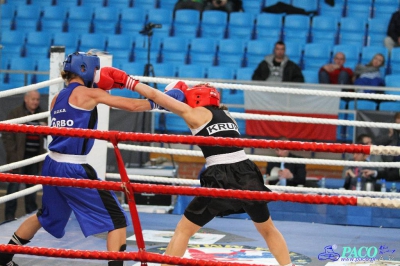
(20, 146)
(369, 74)
(393, 32)
(336, 73)
(224, 5)
(293, 174)
(278, 68)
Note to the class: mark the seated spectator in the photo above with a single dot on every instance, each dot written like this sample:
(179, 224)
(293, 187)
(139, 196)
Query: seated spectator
(225, 5)
(351, 174)
(366, 139)
(369, 74)
(393, 32)
(293, 174)
(278, 68)
(191, 4)
(335, 73)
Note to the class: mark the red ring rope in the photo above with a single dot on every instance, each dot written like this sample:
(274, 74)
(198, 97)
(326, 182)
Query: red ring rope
(186, 139)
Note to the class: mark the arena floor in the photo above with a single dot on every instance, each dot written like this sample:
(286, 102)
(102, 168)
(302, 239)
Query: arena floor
(233, 240)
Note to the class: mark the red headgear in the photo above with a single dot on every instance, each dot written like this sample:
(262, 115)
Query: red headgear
(202, 95)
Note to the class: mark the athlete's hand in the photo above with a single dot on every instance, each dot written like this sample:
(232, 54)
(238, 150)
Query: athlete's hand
(180, 85)
(109, 77)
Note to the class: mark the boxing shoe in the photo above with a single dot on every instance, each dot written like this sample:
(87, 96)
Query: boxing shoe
(11, 263)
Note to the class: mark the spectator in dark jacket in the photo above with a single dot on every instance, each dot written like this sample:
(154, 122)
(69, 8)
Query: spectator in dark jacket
(278, 68)
(393, 32)
(21, 146)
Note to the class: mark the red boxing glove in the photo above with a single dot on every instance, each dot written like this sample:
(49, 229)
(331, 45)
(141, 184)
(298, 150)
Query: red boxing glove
(109, 77)
(180, 85)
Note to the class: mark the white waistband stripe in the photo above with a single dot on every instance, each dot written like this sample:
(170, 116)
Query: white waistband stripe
(68, 158)
(226, 158)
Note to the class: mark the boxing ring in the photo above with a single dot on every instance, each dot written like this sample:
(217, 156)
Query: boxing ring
(224, 241)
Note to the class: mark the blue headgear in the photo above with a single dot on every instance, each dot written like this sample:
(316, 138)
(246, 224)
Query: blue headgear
(83, 65)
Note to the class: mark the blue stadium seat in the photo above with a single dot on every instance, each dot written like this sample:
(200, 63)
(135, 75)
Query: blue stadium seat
(244, 73)
(377, 28)
(191, 71)
(167, 4)
(105, 19)
(232, 96)
(140, 50)
(392, 81)
(171, 123)
(18, 63)
(307, 5)
(127, 27)
(395, 61)
(214, 24)
(122, 4)
(38, 39)
(203, 51)
(163, 17)
(296, 28)
(68, 4)
(324, 29)
(389, 106)
(132, 68)
(316, 55)
(93, 41)
(220, 72)
(8, 11)
(336, 11)
(273, 2)
(268, 27)
(145, 4)
(352, 30)
(241, 25)
(252, 6)
(42, 65)
(12, 50)
(310, 76)
(240, 122)
(186, 23)
(13, 37)
(362, 105)
(37, 52)
(53, 18)
(80, 19)
(136, 15)
(294, 50)
(174, 50)
(93, 2)
(27, 19)
(120, 46)
(352, 53)
(68, 39)
(164, 70)
(384, 8)
(231, 53)
(357, 8)
(256, 51)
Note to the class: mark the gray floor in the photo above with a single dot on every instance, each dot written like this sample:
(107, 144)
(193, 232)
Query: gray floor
(305, 240)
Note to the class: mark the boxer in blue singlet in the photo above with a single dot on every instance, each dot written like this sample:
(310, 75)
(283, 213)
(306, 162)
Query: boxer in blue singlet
(75, 107)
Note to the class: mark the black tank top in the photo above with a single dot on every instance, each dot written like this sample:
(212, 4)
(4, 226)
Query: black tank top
(221, 125)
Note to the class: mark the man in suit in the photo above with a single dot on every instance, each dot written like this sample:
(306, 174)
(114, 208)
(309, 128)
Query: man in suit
(293, 174)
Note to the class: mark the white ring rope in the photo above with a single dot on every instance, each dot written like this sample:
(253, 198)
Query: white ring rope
(296, 91)
(32, 87)
(28, 118)
(292, 119)
(22, 163)
(259, 158)
(20, 193)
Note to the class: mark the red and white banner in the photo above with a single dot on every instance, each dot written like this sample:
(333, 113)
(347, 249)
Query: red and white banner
(269, 103)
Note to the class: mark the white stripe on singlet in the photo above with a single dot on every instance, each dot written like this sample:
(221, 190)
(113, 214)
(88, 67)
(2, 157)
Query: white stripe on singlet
(68, 158)
(226, 158)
